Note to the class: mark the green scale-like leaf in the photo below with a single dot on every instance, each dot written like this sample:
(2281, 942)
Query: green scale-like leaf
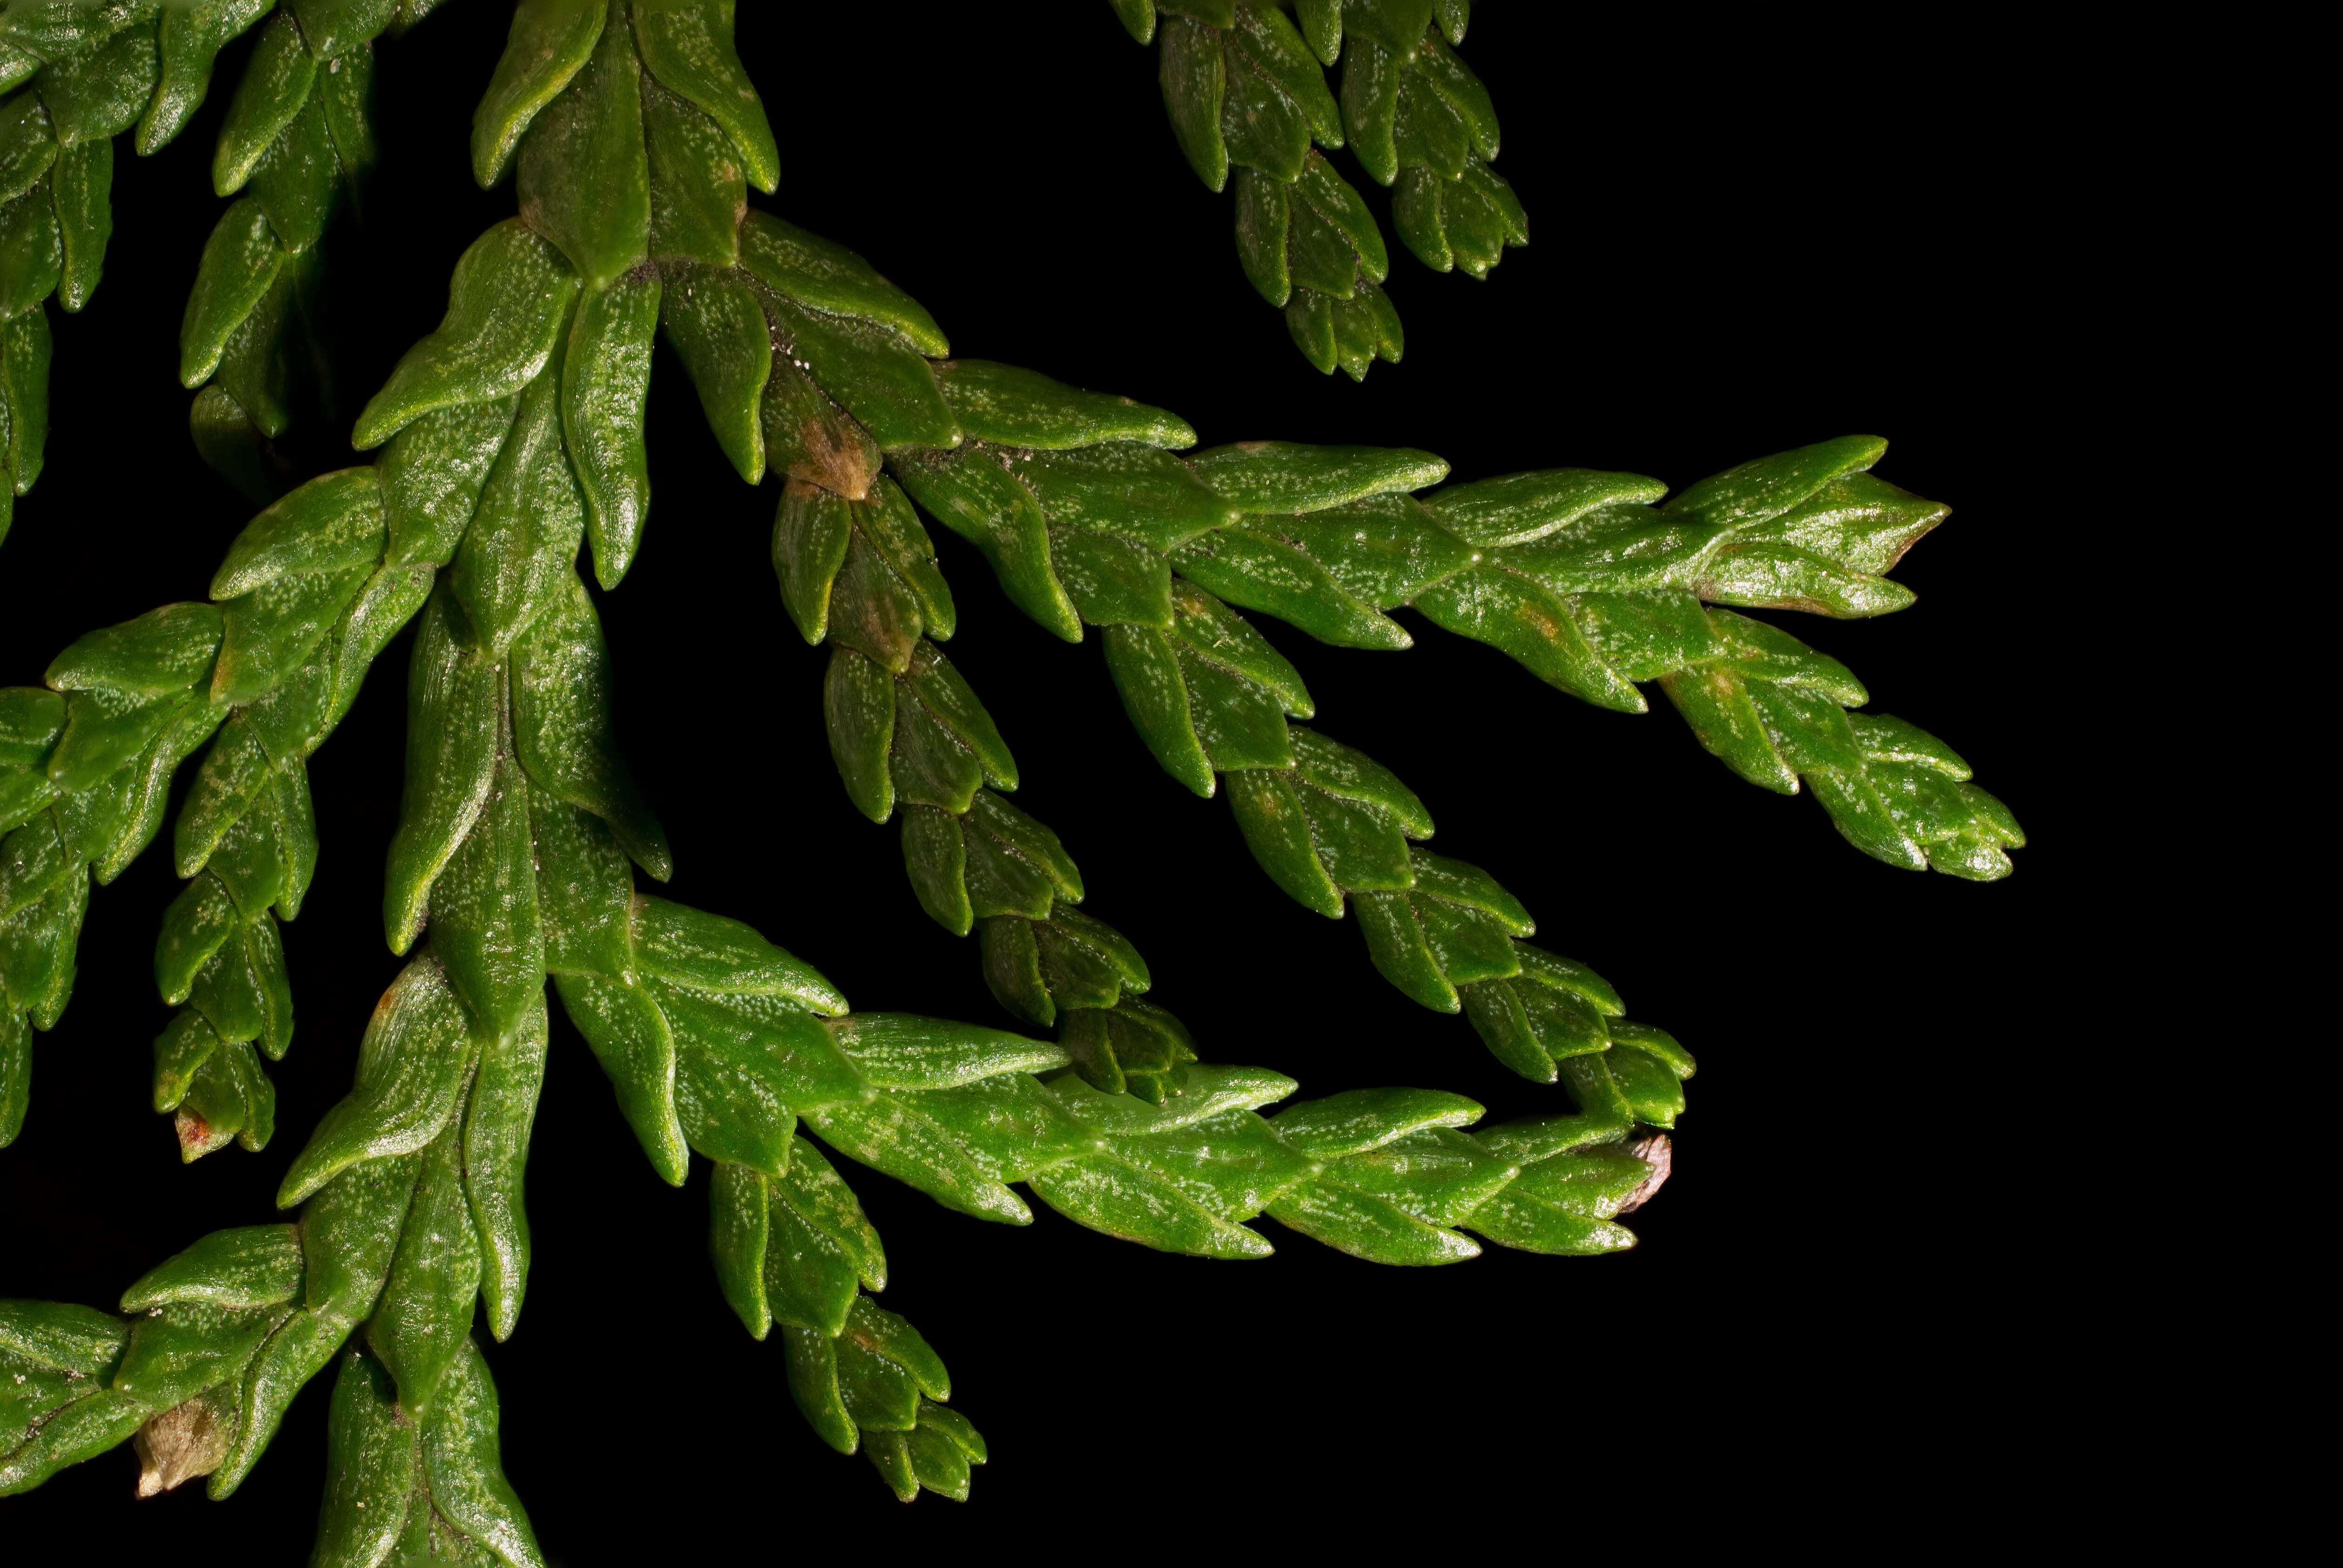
(410, 1067)
(549, 42)
(273, 89)
(561, 718)
(506, 307)
(686, 45)
(456, 700)
(718, 328)
(100, 94)
(585, 173)
(605, 376)
(191, 38)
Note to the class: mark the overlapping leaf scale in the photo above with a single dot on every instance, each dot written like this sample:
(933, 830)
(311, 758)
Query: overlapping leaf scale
(428, 1488)
(90, 79)
(221, 1337)
(718, 1042)
(310, 594)
(510, 852)
(297, 135)
(1246, 96)
(635, 133)
(296, 140)
(794, 1249)
(199, 1388)
(923, 741)
(808, 362)
(410, 1185)
(513, 435)
(298, 143)
(74, 77)
(306, 601)
(1332, 826)
(1422, 123)
(1244, 91)
(86, 768)
(409, 1193)
(1575, 573)
(55, 1408)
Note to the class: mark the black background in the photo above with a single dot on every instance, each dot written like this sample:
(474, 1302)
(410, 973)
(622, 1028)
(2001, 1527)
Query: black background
(1754, 227)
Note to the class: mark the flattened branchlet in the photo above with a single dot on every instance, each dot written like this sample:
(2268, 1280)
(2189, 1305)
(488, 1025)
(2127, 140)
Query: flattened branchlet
(508, 460)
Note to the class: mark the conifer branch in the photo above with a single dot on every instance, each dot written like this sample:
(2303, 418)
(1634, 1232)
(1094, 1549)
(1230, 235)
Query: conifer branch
(1571, 572)
(297, 144)
(1584, 580)
(809, 363)
(1242, 85)
(1084, 518)
(511, 438)
(1332, 825)
(410, 1194)
(74, 75)
(812, 366)
(305, 598)
(718, 1042)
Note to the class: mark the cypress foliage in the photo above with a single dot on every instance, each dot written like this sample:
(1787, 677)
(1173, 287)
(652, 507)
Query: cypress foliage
(508, 459)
